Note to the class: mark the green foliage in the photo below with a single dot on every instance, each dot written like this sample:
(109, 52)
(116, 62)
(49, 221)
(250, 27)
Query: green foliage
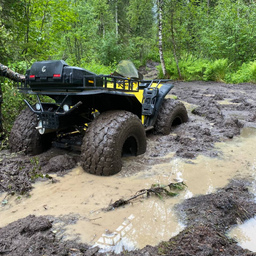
(196, 70)
(229, 31)
(153, 54)
(109, 51)
(4, 38)
(216, 71)
(98, 68)
(12, 105)
(109, 30)
(104, 31)
(168, 190)
(20, 66)
(191, 68)
(246, 73)
(141, 21)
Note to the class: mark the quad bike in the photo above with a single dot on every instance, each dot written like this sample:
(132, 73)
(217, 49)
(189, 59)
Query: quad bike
(105, 116)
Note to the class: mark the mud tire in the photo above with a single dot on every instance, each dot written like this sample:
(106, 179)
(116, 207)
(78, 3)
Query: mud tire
(24, 136)
(106, 138)
(172, 113)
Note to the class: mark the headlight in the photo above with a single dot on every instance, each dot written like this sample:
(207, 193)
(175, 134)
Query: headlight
(66, 107)
(38, 107)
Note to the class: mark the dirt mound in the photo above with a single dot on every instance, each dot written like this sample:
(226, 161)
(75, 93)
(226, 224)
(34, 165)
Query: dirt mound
(18, 172)
(201, 240)
(229, 206)
(33, 236)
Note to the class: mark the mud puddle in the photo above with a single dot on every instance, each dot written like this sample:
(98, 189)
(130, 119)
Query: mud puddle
(245, 234)
(77, 199)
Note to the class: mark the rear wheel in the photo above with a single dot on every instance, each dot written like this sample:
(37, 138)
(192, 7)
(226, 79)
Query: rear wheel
(24, 136)
(172, 113)
(110, 136)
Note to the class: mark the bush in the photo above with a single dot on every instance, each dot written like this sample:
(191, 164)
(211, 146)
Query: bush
(13, 100)
(98, 68)
(219, 70)
(110, 50)
(246, 73)
(216, 71)
(12, 105)
(191, 68)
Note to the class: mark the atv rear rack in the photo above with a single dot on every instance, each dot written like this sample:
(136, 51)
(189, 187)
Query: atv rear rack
(89, 82)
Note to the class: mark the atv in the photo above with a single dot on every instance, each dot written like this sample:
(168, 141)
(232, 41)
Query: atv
(104, 116)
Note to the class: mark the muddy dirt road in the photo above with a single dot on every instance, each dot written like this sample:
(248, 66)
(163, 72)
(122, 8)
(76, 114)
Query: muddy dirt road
(49, 206)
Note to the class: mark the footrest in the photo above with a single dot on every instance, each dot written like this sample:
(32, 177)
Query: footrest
(149, 100)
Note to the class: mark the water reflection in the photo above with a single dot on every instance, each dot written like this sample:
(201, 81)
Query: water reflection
(245, 234)
(135, 231)
(118, 241)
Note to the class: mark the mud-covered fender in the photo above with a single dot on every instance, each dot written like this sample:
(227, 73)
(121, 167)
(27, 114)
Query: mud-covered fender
(163, 91)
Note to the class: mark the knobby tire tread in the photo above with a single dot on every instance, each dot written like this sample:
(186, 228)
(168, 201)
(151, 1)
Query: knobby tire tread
(24, 136)
(169, 111)
(104, 139)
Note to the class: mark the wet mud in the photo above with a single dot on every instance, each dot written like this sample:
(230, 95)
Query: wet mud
(217, 113)
(207, 219)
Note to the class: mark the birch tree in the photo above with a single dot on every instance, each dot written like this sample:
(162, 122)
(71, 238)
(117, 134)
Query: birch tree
(160, 35)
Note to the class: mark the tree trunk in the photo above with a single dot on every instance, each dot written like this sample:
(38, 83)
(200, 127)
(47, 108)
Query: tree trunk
(1, 123)
(160, 28)
(27, 17)
(174, 46)
(44, 16)
(6, 72)
(116, 14)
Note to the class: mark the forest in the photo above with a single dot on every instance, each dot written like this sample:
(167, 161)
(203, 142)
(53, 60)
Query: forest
(191, 39)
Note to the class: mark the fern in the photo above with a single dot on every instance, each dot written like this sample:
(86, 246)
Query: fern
(246, 73)
(216, 71)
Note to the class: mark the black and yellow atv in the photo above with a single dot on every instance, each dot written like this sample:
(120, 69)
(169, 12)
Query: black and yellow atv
(106, 116)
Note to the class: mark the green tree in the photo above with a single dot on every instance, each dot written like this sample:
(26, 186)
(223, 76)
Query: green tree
(230, 32)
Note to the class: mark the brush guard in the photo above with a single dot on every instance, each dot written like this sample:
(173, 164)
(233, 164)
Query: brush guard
(49, 121)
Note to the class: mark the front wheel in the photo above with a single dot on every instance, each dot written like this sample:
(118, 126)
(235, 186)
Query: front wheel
(171, 113)
(24, 136)
(110, 136)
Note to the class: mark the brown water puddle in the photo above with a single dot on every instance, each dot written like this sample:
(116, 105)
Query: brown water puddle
(245, 234)
(147, 220)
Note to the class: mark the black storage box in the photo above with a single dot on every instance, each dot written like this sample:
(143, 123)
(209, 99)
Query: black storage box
(59, 74)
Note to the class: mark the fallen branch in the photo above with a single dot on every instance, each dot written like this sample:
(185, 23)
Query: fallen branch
(156, 189)
(14, 76)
